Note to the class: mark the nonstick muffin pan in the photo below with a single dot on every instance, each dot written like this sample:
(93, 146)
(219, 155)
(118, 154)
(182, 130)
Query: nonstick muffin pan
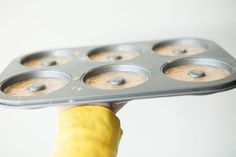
(117, 73)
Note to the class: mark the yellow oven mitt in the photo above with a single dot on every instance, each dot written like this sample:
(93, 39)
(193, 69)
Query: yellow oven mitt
(87, 131)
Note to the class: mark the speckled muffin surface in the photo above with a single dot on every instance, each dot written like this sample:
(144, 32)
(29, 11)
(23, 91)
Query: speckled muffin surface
(111, 56)
(46, 61)
(179, 49)
(210, 73)
(26, 87)
(130, 79)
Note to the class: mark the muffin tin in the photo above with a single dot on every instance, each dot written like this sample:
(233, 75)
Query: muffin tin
(117, 73)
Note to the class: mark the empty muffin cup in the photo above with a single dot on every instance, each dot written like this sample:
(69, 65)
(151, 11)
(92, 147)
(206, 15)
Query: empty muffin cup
(47, 58)
(113, 54)
(116, 77)
(35, 83)
(180, 47)
(197, 70)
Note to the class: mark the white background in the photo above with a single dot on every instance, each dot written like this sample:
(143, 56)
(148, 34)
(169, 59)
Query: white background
(196, 126)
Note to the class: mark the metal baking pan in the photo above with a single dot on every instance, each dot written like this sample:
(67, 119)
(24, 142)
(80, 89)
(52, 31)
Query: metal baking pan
(91, 74)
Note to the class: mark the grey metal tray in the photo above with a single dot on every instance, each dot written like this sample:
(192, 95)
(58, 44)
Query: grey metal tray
(148, 62)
